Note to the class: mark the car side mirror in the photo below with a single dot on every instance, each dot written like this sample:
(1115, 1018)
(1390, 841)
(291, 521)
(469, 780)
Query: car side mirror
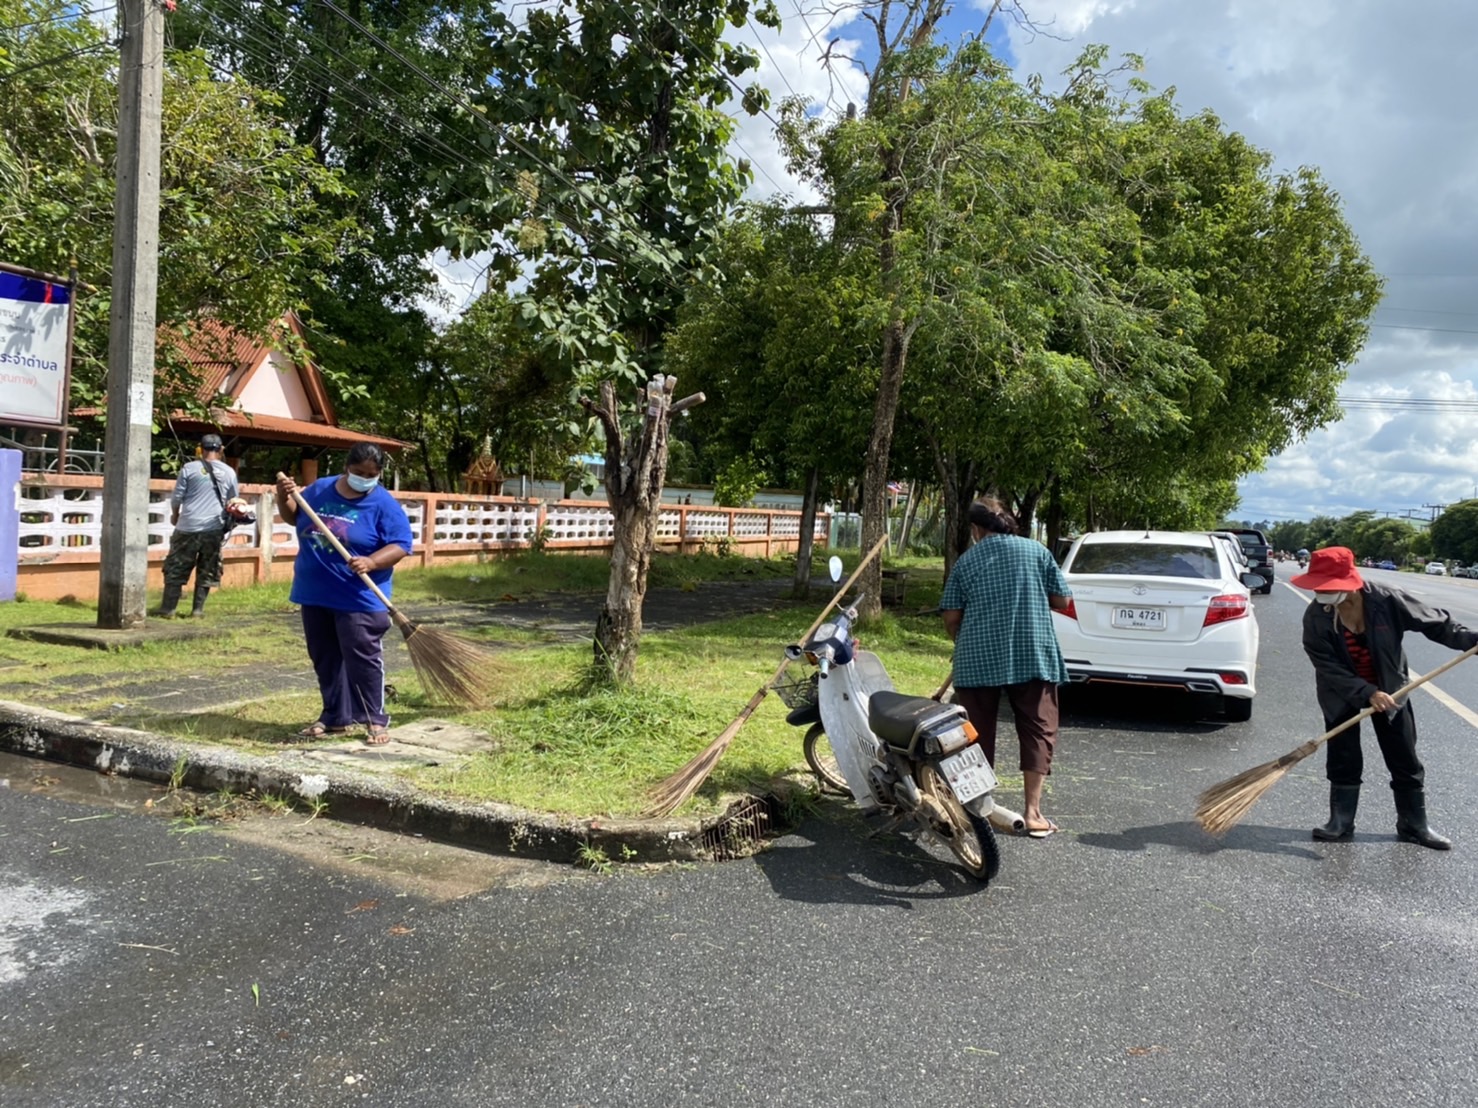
(1254, 581)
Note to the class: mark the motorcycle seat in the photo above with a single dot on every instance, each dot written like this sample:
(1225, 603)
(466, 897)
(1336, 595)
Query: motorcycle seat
(896, 718)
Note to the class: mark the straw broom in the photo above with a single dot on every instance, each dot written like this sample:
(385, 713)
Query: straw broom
(451, 669)
(1222, 806)
(672, 791)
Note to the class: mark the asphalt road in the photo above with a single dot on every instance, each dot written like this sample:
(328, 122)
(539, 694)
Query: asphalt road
(1130, 960)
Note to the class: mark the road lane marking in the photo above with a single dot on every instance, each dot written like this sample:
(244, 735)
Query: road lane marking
(1447, 700)
(1457, 707)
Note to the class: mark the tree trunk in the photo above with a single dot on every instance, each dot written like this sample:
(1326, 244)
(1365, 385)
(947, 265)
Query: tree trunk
(635, 473)
(910, 510)
(618, 628)
(1026, 511)
(875, 475)
(957, 490)
(1054, 517)
(802, 586)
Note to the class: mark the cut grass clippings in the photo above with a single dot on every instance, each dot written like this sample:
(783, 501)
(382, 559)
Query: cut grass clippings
(559, 744)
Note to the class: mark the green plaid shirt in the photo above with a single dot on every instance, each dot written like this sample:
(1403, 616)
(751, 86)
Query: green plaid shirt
(1006, 638)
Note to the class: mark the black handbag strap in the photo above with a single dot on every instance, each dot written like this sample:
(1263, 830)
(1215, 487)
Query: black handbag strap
(210, 471)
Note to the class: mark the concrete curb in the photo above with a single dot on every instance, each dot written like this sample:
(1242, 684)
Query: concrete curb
(388, 803)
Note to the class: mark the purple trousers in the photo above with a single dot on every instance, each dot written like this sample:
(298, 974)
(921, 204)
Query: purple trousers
(345, 650)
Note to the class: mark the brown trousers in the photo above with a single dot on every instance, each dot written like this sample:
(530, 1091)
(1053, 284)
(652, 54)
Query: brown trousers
(1033, 703)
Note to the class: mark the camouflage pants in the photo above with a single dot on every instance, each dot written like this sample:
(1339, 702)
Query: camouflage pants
(198, 552)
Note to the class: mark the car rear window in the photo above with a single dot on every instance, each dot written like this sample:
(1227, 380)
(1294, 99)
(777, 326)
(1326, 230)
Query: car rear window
(1251, 542)
(1139, 559)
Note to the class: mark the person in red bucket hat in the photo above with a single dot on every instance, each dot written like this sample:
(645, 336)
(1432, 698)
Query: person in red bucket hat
(1352, 634)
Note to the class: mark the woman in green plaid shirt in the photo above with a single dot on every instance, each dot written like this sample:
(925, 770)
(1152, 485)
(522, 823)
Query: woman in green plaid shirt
(997, 607)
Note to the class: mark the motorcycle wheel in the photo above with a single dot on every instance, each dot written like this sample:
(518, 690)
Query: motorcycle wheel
(817, 748)
(972, 839)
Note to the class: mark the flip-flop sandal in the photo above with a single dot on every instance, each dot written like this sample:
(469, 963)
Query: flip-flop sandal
(1042, 832)
(376, 736)
(320, 729)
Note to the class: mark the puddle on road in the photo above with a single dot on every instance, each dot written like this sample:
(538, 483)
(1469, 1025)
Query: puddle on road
(435, 871)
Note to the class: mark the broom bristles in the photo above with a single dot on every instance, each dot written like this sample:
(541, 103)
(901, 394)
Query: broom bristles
(451, 669)
(1223, 805)
(672, 792)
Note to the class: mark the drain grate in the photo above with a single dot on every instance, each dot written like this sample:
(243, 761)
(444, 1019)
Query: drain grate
(743, 829)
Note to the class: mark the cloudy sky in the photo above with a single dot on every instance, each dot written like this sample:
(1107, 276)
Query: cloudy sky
(1378, 96)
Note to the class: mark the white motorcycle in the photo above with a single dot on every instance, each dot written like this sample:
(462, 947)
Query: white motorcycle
(913, 758)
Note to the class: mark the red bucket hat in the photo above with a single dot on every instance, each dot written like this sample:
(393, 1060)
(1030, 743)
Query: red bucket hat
(1330, 570)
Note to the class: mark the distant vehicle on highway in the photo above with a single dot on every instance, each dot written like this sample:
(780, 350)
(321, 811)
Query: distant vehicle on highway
(1387, 564)
(1466, 571)
(1435, 569)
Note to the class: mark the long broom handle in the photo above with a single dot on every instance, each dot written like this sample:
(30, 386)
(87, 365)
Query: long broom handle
(841, 592)
(944, 688)
(303, 506)
(1398, 694)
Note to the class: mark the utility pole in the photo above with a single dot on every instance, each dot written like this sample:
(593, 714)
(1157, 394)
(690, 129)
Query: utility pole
(125, 529)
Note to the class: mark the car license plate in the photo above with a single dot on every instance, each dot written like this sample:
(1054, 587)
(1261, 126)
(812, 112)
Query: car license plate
(968, 773)
(1139, 619)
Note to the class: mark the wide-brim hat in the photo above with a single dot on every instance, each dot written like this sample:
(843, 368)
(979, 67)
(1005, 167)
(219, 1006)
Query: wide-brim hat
(1330, 570)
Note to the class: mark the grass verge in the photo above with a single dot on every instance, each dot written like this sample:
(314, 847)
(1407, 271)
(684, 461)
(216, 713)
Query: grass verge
(559, 744)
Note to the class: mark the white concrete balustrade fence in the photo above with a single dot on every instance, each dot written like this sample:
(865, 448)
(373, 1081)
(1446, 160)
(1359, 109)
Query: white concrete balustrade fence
(61, 528)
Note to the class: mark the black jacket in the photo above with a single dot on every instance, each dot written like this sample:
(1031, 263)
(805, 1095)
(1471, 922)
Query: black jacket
(1389, 614)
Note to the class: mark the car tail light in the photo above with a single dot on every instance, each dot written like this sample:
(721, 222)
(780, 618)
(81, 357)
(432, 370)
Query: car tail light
(1071, 611)
(1233, 678)
(1228, 606)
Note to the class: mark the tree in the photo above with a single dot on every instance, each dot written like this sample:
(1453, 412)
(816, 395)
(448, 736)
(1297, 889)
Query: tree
(244, 229)
(1454, 533)
(784, 353)
(602, 179)
(374, 89)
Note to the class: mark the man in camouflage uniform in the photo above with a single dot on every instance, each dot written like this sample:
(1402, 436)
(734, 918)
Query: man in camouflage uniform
(197, 504)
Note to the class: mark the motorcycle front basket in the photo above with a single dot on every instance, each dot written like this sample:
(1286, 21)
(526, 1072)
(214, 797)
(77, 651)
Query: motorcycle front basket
(797, 692)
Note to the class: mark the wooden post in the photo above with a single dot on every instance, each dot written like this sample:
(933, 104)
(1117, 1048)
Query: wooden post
(266, 514)
(428, 528)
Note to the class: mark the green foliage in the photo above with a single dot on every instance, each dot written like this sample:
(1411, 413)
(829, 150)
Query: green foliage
(1454, 533)
(390, 125)
(1367, 535)
(246, 225)
(602, 171)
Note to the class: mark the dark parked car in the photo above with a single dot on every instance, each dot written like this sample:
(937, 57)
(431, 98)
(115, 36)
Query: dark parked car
(1386, 565)
(1259, 554)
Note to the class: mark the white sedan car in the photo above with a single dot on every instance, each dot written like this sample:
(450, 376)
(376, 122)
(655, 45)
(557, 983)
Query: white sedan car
(1161, 609)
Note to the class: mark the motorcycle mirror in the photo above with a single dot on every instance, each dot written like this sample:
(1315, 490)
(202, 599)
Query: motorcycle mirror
(834, 567)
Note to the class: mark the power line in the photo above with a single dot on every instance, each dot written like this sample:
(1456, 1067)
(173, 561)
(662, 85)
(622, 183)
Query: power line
(1408, 403)
(66, 16)
(503, 133)
(68, 56)
(1427, 311)
(335, 84)
(816, 40)
(1436, 330)
(756, 33)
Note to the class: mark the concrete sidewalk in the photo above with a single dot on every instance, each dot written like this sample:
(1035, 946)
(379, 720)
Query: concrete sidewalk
(351, 778)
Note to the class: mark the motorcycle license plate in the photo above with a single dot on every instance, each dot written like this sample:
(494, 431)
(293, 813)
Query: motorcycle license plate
(968, 773)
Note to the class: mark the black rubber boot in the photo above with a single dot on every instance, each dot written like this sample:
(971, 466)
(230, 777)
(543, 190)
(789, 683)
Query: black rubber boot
(201, 592)
(1343, 800)
(170, 602)
(1411, 820)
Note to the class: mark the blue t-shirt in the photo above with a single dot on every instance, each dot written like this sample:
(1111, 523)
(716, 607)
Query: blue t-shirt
(364, 524)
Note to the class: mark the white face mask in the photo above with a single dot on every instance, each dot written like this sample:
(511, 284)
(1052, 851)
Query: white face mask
(361, 484)
(1332, 598)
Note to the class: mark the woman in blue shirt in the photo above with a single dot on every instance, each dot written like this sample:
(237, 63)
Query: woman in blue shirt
(343, 621)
